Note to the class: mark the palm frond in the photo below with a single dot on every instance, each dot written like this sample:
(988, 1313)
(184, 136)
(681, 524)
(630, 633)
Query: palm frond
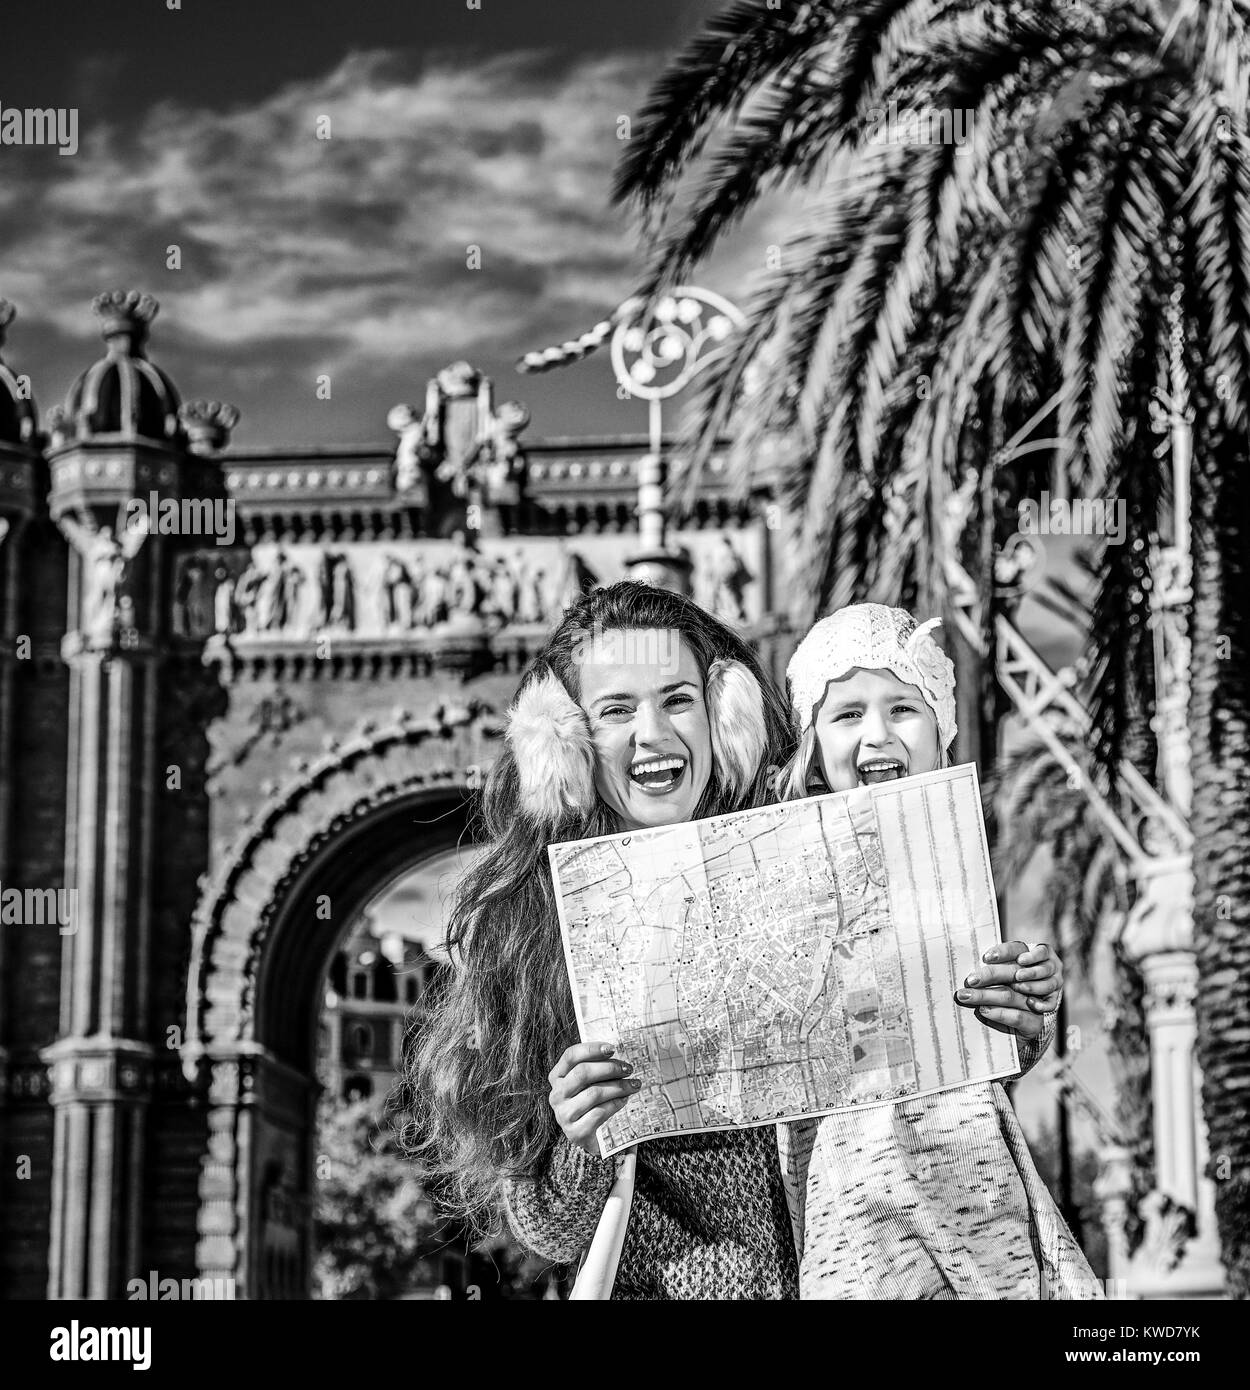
(740, 47)
(1119, 690)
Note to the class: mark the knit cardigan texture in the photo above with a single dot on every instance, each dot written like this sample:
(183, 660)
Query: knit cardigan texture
(935, 1197)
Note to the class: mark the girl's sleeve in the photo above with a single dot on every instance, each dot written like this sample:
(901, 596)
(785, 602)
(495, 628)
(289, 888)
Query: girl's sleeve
(555, 1212)
(1031, 1049)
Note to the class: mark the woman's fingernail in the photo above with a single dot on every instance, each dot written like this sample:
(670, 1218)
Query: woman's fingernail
(963, 994)
(606, 1050)
(990, 955)
(635, 1082)
(973, 980)
(626, 1068)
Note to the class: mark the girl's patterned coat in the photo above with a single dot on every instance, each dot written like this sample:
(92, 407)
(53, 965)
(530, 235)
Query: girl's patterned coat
(929, 1198)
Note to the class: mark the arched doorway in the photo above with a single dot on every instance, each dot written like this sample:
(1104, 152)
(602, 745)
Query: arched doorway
(385, 966)
(378, 1232)
(267, 927)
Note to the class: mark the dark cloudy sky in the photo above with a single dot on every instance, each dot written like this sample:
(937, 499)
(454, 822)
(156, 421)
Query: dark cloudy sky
(451, 127)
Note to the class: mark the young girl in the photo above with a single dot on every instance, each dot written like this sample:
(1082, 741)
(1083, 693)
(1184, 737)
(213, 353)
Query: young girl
(935, 1197)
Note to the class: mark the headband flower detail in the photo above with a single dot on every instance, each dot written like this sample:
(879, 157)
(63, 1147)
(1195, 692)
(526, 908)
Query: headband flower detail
(937, 670)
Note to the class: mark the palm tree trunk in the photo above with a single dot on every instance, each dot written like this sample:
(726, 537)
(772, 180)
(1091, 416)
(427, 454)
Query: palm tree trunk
(1219, 723)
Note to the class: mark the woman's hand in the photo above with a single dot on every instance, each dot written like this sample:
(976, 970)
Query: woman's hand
(587, 1089)
(1015, 989)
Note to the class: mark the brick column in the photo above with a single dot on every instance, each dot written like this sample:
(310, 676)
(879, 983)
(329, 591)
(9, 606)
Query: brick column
(17, 472)
(121, 469)
(100, 1067)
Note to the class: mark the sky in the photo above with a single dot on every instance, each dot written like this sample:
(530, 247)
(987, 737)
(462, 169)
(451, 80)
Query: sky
(449, 127)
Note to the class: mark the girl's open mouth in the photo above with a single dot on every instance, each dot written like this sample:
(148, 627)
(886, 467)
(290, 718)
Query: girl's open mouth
(658, 776)
(880, 770)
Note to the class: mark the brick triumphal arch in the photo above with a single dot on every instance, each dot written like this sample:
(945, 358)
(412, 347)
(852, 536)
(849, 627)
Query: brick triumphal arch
(240, 692)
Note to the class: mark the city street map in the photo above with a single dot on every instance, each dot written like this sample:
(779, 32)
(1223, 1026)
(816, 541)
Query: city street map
(790, 961)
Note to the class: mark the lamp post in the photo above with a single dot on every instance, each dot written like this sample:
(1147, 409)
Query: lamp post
(655, 355)
(654, 358)
(1158, 932)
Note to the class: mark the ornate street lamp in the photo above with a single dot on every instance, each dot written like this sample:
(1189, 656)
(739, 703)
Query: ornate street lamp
(655, 356)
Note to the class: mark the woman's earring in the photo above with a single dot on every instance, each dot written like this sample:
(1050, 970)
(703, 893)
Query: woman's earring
(735, 707)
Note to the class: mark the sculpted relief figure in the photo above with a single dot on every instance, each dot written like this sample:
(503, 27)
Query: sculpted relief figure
(576, 579)
(504, 469)
(460, 451)
(411, 454)
(193, 602)
(279, 594)
(505, 590)
(247, 598)
(227, 619)
(533, 602)
(727, 580)
(465, 578)
(398, 594)
(106, 560)
(434, 598)
(454, 420)
(338, 592)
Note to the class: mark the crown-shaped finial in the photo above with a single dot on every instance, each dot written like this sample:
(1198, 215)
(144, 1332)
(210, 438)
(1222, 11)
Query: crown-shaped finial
(124, 317)
(208, 424)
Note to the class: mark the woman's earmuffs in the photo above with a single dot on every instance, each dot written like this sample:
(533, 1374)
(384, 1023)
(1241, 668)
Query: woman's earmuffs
(735, 711)
(555, 753)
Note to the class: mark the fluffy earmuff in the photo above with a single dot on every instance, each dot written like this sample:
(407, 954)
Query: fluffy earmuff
(735, 708)
(555, 755)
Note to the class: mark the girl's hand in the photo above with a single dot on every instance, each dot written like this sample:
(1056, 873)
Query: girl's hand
(1013, 991)
(586, 1089)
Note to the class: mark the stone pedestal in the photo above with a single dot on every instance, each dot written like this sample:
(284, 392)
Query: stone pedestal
(1113, 1189)
(1179, 1256)
(100, 1091)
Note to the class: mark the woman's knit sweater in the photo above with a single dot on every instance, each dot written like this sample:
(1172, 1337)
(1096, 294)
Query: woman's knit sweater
(709, 1217)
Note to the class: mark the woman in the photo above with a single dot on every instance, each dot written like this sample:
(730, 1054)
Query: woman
(641, 710)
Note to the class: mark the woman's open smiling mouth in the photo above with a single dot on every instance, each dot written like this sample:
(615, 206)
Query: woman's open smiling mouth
(658, 776)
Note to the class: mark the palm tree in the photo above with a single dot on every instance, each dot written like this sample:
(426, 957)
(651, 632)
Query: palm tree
(933, 297)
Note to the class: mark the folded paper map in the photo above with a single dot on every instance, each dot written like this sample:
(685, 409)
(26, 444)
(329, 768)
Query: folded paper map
(794, 960)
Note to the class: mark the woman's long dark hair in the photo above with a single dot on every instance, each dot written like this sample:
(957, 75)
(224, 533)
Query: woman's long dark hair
(475, 1080)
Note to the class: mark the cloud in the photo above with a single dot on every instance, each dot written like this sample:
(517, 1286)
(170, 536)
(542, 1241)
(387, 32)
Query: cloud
(352, 253)
(364, 238)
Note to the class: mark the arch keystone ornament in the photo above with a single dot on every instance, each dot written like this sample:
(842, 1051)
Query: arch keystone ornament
(339, 832)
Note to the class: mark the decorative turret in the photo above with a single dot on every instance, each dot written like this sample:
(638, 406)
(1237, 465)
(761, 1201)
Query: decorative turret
(123, 393)
(17, 409)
